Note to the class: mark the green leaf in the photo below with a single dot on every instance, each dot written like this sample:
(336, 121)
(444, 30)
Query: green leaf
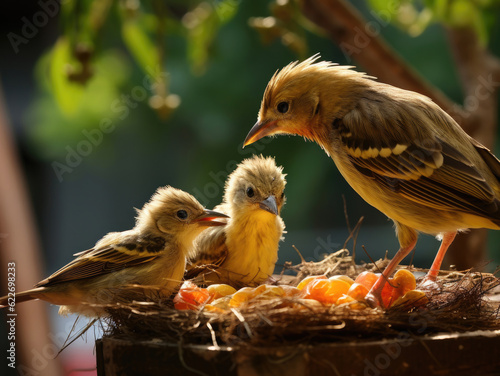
(140, 45)
(462, 13)
(226, 9)
(67, 93)
(439, 8)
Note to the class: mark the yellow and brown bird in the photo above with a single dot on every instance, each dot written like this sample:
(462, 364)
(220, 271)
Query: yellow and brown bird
(245, 251)
(400, 151)
(148, 260)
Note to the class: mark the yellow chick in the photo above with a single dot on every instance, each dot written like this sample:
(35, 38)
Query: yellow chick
(152, 255)
(400, 151)
(245, 251)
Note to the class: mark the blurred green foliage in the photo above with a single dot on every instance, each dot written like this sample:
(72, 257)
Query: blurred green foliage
(414, 16)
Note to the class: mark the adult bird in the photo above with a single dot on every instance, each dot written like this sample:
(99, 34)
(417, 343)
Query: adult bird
(396, 148)
(245, 251)
(147, 261)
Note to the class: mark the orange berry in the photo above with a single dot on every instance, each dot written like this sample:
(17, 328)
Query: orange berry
(308, 280)
(190, 296)
(366, 279)
(337, 289)
(344, 278)
(218, 305)
(326, 291)
(272, 291)
(242, 296)
(220, 290)
(317, 289)
(404, 280)
(345, 299)
(357, 291)
(259, 289)
(389, 294)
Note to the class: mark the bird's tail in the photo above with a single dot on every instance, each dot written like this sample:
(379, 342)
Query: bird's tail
(9, 300)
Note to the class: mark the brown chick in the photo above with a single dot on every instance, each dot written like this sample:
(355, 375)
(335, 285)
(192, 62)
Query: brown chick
(400, 151)
(245, 251)
(152, 255)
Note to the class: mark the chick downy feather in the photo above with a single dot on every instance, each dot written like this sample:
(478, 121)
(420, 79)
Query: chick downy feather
(245, 251)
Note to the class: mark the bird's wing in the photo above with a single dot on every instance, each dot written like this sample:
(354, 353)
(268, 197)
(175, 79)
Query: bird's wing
(127, 252)
(416, 164)
(210, 252)
(488, 157)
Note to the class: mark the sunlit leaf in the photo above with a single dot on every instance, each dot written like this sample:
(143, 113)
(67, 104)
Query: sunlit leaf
(225, 9)
(67, 93)
(52, 130)
(438, 7)
(202, 24)
(140, 45)
(462, 13)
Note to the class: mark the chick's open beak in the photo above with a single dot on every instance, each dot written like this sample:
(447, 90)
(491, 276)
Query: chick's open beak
(260, 130)
(269, 204)
(209, 218)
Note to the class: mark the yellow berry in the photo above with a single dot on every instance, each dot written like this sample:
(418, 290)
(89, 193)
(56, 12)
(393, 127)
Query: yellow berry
(344, 278)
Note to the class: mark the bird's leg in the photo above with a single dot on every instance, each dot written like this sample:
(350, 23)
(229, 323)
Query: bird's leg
(407, 240)
(436, 265)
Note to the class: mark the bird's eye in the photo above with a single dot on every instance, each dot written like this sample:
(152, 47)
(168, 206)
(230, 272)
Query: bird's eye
(282, 194)
(250, 192)
(282, 107)
(182, 214)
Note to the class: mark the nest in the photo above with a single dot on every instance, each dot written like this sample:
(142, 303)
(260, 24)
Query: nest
(464, 301)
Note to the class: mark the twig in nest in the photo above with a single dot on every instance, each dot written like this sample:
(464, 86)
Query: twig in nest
(346, 215)
(240, 317)
(302, 259)
(77, 335)
(214, 336)
(376, 266)
(354, 235)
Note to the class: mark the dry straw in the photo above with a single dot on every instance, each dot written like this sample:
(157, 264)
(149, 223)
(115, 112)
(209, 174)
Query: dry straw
(465, 301)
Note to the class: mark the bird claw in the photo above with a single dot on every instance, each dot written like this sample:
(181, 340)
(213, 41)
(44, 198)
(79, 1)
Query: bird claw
(429, 285)
(373, 301)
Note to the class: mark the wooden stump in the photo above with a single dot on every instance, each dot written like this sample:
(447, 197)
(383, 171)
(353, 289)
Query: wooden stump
(474, 353)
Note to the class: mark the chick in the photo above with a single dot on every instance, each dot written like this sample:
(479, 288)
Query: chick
(152, 254)
(400, 151)
(245, 251)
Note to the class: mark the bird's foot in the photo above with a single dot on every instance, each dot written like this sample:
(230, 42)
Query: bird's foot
(429, 284)
(373, 301)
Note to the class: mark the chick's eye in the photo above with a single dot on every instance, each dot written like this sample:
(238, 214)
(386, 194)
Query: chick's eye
(250, 192)
(282, 194)
(282, 107)
(182, 214)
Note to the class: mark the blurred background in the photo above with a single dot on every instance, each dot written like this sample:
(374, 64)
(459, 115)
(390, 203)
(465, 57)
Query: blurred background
(105, 101)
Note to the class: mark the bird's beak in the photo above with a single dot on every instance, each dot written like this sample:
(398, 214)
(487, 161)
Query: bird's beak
(260, 130)
(269, 204)
(208, 218)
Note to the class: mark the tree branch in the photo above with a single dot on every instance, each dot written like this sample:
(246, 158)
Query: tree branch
(360, 40)
(479, 73)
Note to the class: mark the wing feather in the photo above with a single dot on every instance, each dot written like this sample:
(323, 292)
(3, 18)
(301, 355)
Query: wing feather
(128, 252)
(210, 252)
(420, 166)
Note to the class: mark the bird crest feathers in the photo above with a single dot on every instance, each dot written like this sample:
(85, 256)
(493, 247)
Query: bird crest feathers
(298, 73)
